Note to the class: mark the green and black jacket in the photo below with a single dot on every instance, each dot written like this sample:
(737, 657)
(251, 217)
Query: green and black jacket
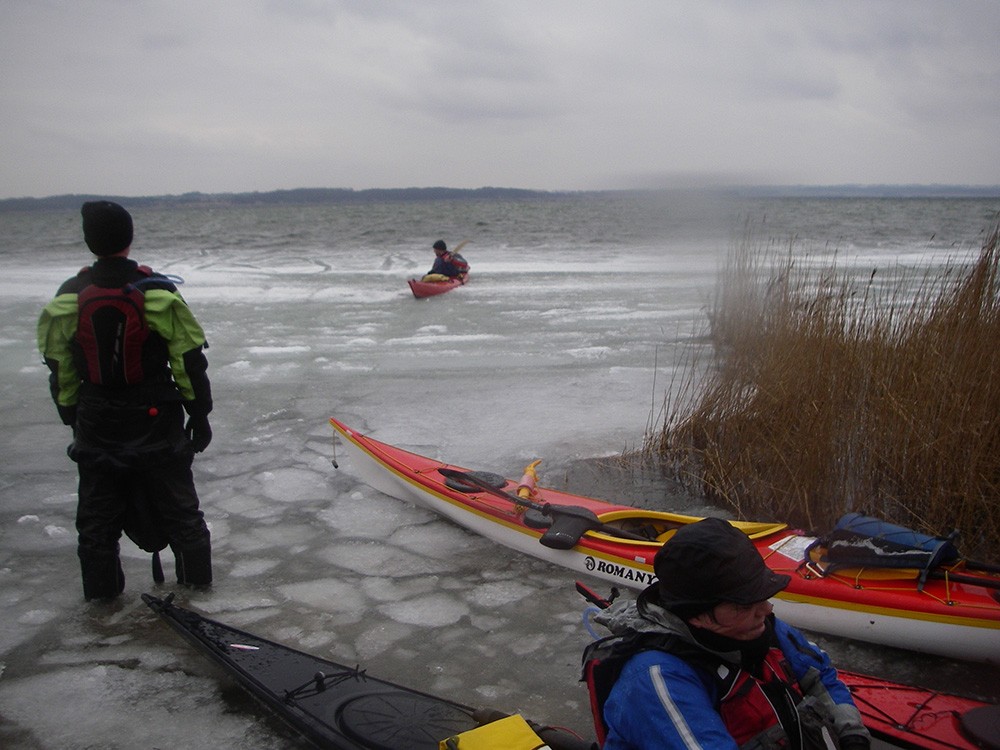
(173, 351)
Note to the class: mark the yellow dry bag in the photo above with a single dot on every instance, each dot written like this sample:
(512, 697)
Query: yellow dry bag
(509, 733)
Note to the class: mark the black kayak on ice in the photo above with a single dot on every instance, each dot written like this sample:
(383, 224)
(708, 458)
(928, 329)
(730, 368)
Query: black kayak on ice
(333, 705)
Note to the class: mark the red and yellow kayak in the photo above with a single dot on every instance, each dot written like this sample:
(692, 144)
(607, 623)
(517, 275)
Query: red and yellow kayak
(954, 614)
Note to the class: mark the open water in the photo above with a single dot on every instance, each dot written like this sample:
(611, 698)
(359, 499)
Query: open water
(561, 347)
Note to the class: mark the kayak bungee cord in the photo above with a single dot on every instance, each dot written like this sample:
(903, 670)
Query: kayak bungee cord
(320, 681)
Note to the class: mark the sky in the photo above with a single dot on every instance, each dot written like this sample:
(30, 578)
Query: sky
(151, 97)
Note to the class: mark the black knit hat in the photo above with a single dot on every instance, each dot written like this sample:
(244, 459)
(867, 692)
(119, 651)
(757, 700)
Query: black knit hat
(107, 227)
(709, 562)
(439, 245)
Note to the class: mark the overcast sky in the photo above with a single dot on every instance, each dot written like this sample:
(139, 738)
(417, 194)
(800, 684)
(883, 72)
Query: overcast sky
(145, 97)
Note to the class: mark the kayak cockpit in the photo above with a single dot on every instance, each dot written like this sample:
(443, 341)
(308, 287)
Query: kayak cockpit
(658, 526)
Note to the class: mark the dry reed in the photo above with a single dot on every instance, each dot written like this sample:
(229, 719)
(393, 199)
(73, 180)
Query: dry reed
(835, 391)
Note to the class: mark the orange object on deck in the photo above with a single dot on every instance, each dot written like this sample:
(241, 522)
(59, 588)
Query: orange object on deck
(526, 487)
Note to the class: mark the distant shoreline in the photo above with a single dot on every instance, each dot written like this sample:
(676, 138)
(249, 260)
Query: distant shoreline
(303, 196)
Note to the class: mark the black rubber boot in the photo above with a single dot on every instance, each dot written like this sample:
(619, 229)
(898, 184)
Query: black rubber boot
(194, 564)
(103, 577)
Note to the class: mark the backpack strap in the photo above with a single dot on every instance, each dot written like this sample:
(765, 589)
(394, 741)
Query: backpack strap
(604, 659)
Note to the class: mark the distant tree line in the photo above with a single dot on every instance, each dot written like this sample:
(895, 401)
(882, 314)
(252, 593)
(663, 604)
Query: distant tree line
(303, 196)
(298, 196)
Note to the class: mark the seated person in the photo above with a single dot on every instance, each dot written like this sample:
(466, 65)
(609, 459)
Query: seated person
(699, 660)
(450, 265)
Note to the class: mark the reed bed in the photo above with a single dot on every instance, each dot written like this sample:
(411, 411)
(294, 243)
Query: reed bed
(833, 389)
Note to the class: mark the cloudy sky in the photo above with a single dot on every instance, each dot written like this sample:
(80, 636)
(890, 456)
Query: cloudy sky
(145, 97)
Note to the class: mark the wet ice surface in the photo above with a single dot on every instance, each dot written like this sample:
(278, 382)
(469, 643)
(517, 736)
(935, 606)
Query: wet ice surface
(540, 356)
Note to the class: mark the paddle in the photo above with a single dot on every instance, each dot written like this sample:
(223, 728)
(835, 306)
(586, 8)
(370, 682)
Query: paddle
(454, 251)
(942, 575)
(569, 522)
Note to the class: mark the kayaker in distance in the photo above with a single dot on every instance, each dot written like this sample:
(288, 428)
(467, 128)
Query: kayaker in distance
(699, 659)
(447, 264)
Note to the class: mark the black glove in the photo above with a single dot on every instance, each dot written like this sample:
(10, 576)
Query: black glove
(68, 415)
(199, 432)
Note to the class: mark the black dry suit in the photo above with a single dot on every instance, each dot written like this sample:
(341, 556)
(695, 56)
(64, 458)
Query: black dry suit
(126, 362)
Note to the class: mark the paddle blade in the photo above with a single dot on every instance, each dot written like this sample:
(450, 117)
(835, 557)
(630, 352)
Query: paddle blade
(569, 523)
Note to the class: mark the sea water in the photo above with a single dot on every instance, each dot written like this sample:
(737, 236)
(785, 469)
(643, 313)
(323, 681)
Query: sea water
(579, 313)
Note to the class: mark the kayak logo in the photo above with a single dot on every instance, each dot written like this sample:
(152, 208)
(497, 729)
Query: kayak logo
(618, 571)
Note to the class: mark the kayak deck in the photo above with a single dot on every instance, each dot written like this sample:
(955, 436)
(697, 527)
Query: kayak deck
(915, 717)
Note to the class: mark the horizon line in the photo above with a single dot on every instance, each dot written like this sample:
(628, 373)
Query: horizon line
(768, 190)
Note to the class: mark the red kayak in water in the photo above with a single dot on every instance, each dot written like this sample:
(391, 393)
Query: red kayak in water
(422, 288)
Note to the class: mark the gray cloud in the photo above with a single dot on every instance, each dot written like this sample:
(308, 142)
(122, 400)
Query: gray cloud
(151, 97)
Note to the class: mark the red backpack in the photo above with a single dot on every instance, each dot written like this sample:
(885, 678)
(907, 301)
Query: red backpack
(112, 331)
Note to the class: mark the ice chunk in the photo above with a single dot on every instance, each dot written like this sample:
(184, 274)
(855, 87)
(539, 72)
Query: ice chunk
(380, 638)
(431, 611)
(439, 539)
(37, 617)
(249, 568)
(329, 594)
(370, 516)
(499, 593)
(292, 484)
(246, 505)
(90, 702)
(390, 589)
(371, 558)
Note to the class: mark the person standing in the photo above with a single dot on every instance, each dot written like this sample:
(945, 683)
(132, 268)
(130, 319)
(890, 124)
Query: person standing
(126, 361)
(699, 660)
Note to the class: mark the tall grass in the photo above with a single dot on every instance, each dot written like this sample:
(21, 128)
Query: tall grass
(834, 390)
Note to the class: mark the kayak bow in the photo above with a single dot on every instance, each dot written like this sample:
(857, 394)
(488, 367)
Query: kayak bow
(335, 706)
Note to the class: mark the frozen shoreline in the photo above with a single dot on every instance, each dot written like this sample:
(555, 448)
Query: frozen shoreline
(550, 353)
